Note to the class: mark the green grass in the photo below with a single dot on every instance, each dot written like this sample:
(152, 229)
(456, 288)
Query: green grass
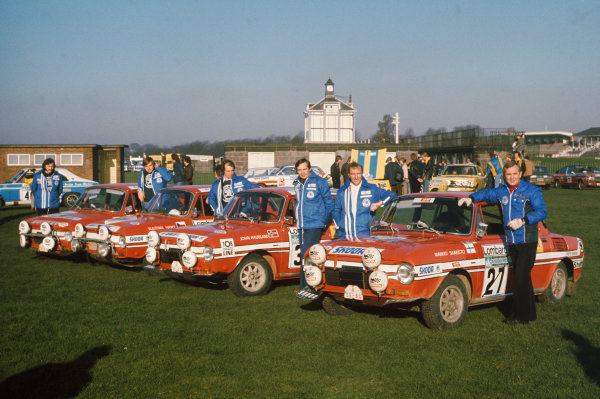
(73, 329)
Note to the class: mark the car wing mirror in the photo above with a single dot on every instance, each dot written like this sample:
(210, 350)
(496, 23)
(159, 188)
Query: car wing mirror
(289, 221)
(129, 210)
(481, 230)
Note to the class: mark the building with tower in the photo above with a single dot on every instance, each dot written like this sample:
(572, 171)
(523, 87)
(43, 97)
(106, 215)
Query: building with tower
(330, 120)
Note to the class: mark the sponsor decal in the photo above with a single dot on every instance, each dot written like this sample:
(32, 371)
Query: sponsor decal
(504, 200)
(429, 269)
(348, 250)
(158, 227)
(366, 203)
(195, 237)
(69, 217)
(179, 224)
(424, 200)
(273, 233)
(441, 253)
(366, 193)
(469, 247)
(220, 231)
(457, 252)
(577, 263)
(201, 221)
(310, 194)
(312, 185)
(132, 239)
(228, 247)
(495, 256)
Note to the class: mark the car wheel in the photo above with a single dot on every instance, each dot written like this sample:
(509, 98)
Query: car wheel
(557, 289)
(70, 199)
(333, 308)
(252, 277)
(580, 185)
(2, 203)
(556, 184)
(447, 308)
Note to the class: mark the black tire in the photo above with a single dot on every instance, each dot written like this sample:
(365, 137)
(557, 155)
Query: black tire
(580, 185)
(447, 308)
(333, 308)
(2, 203)
(70, 199)
(252, 277)
(557, 184)
(557, 289)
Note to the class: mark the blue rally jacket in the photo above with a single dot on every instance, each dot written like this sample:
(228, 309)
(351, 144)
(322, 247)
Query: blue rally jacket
(160, 177)
(526, 202)
(238, 183)
(314, 202)
(352, 225)
(47, 197)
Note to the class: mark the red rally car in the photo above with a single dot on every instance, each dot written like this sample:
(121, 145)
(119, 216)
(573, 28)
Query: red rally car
(252, 244)
(427, 253)
(124, 242)
(59, 233)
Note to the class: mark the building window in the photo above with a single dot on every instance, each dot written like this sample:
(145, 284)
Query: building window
(18, 160)
(39, 159)
(71, 159)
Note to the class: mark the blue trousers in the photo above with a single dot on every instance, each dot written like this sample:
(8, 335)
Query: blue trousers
(308, 238)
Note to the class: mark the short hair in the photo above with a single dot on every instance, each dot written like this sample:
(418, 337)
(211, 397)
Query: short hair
(228, 162)
(518, 153)
(187, 159)
(424, 154)
(219, 170)
(175, 157)
(354, 165)
(389, 159)
(509, 164)
(413, 156)
(147, 160)
(338, 157)
(48, 161)
(301, 161)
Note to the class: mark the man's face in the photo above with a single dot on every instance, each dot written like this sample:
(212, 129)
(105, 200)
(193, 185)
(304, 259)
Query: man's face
(355, 175)
(149, 167)
(228, 172)
(512, 175)
(303, 170)
(49, 168)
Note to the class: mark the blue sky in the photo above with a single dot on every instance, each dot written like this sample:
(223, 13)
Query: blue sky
(173, 72)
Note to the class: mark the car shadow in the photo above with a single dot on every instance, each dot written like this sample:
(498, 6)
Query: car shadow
(21, 215)
(54, 380)
(586, 354)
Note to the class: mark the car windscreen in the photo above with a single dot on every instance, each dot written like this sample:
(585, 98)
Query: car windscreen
(102, 199)
(171, 202)
(459, 170)
(255, 206)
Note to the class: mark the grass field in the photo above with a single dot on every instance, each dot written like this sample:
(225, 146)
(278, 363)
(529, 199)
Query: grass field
(70, 329)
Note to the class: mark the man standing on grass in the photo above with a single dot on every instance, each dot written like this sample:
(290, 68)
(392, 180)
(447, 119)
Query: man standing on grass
(226, 186)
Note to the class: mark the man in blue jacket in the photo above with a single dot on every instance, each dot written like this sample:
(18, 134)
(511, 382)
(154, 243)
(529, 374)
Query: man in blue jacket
(314, 204)
(225, 187)
(152, 179)
(522, 208)
(356, 203)
(46, 188)
(494, 169)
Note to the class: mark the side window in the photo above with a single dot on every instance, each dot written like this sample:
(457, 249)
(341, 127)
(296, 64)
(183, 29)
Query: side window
(290, 212)
(199, 207)
(138, 203)
(492, 216)
(202, 202)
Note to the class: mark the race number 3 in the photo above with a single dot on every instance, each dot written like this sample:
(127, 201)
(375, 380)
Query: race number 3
(494, 282)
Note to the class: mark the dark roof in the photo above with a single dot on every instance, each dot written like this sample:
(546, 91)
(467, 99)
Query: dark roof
(593, 131)
(328, 100)
(329, 82)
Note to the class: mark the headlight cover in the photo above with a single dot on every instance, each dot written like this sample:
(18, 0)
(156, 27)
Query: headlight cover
(103, 249)
(378, 281)
(151, 255)
(103, 233)
(406, 273)
(183, 241)
(24, 241)
(189, 259)
(208, 253)
(313, 275)
(79, 230)
(46, 228)
(371, 258)
(75, 245)
(68, 236)
(24, 227)
(153, 239)
(122, 241)
(49, 243)
(317, 254)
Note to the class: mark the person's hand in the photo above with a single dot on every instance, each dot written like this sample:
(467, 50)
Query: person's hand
(376, 205)
(465, 201)
(515, 224)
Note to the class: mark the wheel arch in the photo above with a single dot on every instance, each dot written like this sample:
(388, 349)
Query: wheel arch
(266, 256)
(466, 279)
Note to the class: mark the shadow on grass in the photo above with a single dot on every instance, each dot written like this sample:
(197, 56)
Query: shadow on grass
(587, 355)
(54, 380)
(21, 215)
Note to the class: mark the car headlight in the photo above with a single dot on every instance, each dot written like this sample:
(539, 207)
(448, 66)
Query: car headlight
(122, 241)
(153, 239)
(49, 243)
(68, 236)
(208, 253)
(317, 254)
(183, 241)
(24, 241)
(406, 273)
(103, 233)
(371, 258)
(24, 227)
(75, 245)
(378, 281)
(313, 275)
(189, 259)
(103, 249)
(46, 228)
(79, 230)
(151, 255)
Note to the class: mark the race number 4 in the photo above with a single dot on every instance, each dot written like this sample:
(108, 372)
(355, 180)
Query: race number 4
(494, 281)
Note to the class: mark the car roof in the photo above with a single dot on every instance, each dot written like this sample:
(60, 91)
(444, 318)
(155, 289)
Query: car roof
(202, 188)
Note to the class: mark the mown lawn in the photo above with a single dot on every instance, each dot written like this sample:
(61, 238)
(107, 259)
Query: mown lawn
(70, 329)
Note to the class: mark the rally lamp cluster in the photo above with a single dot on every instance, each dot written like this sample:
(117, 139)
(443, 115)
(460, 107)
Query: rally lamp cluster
(371, 259)
(188, 257)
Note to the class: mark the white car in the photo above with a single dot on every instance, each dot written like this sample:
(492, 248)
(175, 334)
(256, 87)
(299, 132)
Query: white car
(284, 177)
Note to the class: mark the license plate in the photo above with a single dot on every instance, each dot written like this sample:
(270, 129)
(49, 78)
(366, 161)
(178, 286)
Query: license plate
(176, 267)
(92, 246)
(353, 292)
(42, 248)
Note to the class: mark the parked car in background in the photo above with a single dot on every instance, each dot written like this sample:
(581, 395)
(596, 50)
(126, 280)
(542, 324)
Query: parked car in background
(284, 177)
(577, 176)
(17, 191)
(459, 177)
(59, 233)
(124, 242)
(541, 177)
(255, 172)
(254, 242)
(427, 253)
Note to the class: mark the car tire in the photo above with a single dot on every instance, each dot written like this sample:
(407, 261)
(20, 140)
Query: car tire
(2, 203)
(580, 185)
(333, 308)
(557, 289)
(70, 199)
(556, 184)
(252, 277)
(447, 308)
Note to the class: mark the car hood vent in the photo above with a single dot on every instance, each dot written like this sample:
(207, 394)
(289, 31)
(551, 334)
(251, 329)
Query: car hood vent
(559, 244)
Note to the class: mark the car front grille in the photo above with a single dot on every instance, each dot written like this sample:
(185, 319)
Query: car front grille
(342, 277)
(169, 255)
